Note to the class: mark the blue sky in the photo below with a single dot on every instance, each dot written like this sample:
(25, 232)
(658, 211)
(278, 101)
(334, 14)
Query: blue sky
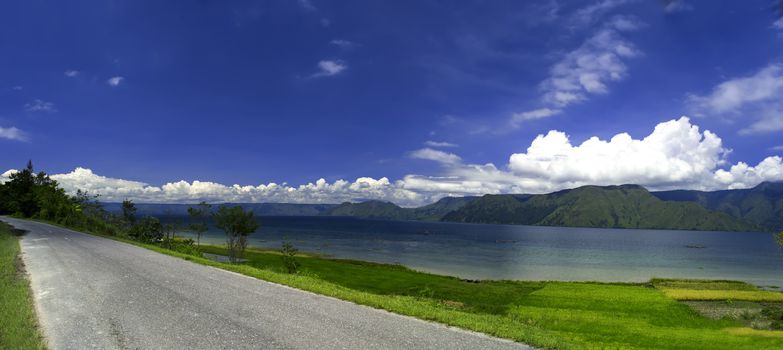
(437, 97)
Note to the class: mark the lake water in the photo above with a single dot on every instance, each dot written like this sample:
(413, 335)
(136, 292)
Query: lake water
(480, 251)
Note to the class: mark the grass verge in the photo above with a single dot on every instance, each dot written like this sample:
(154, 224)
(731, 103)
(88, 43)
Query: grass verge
(556, 315)
(18, 323)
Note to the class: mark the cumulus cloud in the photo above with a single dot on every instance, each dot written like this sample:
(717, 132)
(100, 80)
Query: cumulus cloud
(40, 106)
(440, 144)
(519, 118)
(113, 190)
(436, 155)
(115, 81)
(328, 68)
(72, 73)
(758, 96)
(677, 154)
(12, 133)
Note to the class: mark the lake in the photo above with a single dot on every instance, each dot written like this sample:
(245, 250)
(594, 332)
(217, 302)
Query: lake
(481, 251)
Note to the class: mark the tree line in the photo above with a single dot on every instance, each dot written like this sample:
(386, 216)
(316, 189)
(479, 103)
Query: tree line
(27, 194)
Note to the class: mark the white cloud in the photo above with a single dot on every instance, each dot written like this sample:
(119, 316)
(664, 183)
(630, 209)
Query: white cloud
(115, 81)
(113, 190)
(733, 94)
(6, 176)
(675, 6)
(777, 148)
(13, 133)
(440, 144)
(758, 96)
(17, 88)
(518, 118)
(343, 44)
(588, 69)
(330, 68)
(675, 155)
(593, 12)
(72, 73)
(306, 5)
(436, 155)
(778, 24)
(741, 175)
(40, 106)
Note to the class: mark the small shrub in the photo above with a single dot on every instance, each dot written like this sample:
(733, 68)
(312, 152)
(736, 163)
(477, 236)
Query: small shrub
(775, 314)
(289, 257)
(426, 293)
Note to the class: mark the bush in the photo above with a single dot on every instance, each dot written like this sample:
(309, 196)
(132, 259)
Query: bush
(184, 246)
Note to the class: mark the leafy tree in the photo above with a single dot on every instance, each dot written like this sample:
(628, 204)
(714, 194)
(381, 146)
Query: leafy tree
(20, 192)
(148, 229)
(779, 238)
(289, 257)
(237, 224)
(199, 220)
(169, 230)
(129, 211)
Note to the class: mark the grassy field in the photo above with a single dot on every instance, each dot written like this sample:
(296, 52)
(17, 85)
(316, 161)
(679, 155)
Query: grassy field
(561, 315)
(18, 325)
(552, 315)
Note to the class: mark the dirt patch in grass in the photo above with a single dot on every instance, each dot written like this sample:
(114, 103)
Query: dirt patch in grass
(756, 315)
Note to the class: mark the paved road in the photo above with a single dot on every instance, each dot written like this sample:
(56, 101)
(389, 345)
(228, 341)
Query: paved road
(96, 293)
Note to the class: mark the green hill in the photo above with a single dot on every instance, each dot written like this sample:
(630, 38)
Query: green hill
(761, 205)
(627, 206)
(372, 209)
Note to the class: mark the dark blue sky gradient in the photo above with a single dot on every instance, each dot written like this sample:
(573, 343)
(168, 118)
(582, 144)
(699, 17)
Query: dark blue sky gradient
(224, 90)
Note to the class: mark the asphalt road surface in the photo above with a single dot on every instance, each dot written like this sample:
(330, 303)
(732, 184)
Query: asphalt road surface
(96, 293)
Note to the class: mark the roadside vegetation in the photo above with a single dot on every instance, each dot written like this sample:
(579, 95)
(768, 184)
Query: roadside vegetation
(557, 315)
(18, 323)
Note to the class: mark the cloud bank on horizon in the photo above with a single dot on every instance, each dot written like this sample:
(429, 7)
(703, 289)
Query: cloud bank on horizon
(675, 155)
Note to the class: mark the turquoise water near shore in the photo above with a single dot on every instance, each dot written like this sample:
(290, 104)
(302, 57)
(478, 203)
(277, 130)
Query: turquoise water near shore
(481, 251)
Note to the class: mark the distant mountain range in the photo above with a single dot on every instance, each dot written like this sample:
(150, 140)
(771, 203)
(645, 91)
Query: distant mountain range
(627, 206)
(761, 205)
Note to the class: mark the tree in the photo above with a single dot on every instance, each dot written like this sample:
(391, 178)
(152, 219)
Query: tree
(147, 229)
(779, 238)
(199, 220)
(20, 191)
(169, 230)
(129, 211)
(237, 224)
(288, 254)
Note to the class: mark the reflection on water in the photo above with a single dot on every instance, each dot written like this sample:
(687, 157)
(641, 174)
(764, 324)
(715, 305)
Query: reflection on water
(530, 253)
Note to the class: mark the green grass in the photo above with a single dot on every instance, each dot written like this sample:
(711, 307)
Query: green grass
(18, 324)
(554, 315)
(547, 314)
